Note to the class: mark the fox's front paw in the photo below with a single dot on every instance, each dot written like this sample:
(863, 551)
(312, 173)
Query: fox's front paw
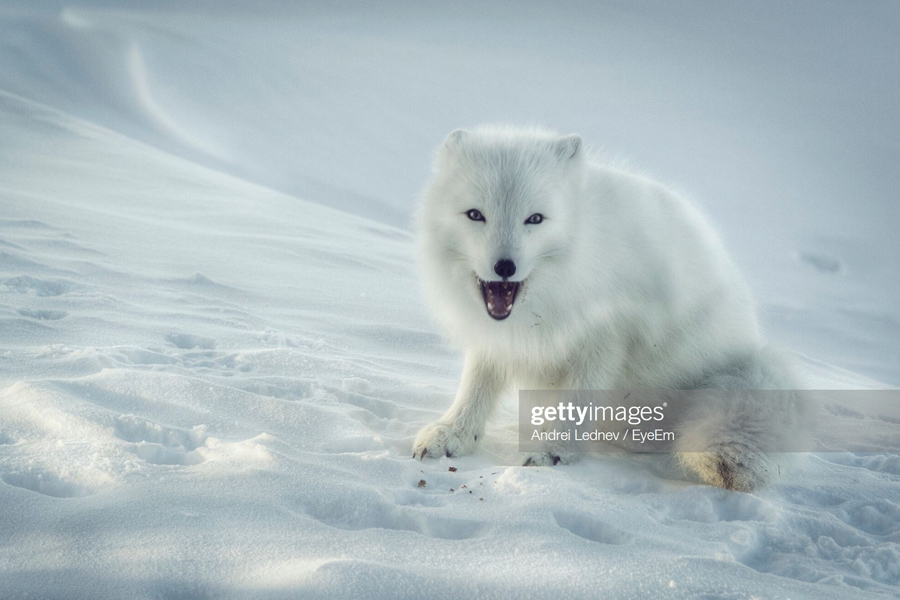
(729, 468)
(441, 439)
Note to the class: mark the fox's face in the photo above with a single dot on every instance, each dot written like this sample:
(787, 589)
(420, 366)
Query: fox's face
(502, 206)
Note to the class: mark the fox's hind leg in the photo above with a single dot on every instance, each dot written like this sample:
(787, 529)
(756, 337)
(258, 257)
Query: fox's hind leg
(739, 431)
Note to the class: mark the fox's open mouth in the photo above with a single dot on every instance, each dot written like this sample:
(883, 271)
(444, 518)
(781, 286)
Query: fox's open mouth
(499, 297)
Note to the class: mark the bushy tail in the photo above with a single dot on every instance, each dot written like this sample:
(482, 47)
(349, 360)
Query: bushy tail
(745, 423)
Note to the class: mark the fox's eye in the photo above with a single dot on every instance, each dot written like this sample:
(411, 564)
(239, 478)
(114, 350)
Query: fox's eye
(475, 215)
(534, 219)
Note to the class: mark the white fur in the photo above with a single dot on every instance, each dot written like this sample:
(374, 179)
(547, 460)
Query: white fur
(625, 286)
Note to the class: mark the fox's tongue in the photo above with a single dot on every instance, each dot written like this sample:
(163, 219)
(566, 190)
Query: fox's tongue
(499, 297)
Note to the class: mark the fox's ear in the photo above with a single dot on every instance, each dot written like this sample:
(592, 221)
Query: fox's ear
(455, 138)
(569, 146)
(448, 152)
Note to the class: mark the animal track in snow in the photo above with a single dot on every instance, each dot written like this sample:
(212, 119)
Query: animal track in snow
(47, 483)
(377, 513)
(356, 384)
(25, 284)
(189, 342)
(709, 505)
(382, 409)
(143, 356)
(160, 445)
(157, 454)
(591, 529)
(821, 262)
(812, 549)
(877, 517)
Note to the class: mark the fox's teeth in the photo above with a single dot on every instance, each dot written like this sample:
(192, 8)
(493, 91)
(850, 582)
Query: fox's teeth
(499, 297)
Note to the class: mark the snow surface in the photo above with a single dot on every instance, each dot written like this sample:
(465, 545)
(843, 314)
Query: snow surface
(214, 354)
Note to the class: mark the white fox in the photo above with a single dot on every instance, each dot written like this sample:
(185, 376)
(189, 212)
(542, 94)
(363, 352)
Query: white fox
(554, 271)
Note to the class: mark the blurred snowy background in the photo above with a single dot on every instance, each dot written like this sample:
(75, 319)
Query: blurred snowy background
(213, 352)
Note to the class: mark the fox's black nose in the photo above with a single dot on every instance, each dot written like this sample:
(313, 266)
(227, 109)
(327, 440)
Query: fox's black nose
(505, 268)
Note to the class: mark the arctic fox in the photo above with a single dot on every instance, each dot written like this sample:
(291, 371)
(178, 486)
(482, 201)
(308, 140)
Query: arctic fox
(552, 270)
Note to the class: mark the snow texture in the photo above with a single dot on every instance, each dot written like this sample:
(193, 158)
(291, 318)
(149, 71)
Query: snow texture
(214, 355)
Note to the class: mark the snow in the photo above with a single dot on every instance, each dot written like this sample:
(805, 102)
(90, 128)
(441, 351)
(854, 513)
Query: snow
(213, 350)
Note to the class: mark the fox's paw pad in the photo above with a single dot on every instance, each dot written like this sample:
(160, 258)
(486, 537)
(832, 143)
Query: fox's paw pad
(547, 459)
(729, 468)
(439, 439)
